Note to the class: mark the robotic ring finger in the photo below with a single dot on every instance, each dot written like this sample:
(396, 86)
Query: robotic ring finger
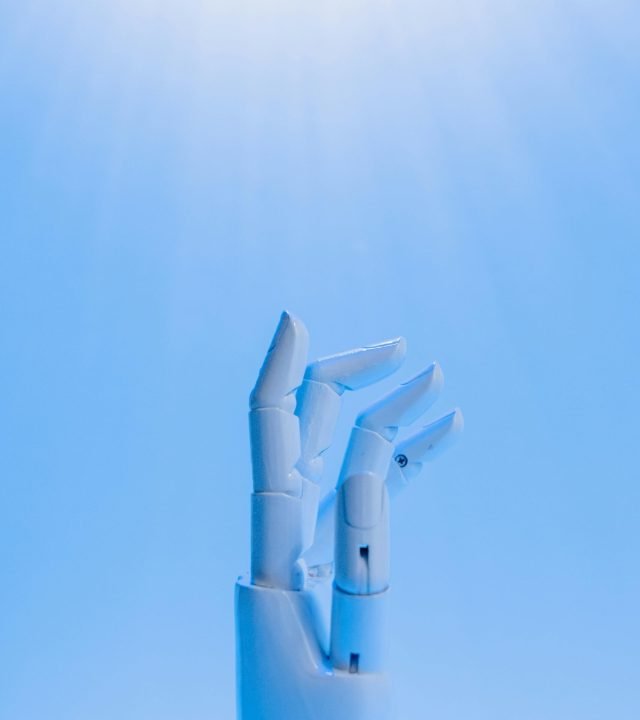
(311, 616)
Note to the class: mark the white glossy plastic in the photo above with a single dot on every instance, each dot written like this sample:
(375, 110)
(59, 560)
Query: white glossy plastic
(312, 637)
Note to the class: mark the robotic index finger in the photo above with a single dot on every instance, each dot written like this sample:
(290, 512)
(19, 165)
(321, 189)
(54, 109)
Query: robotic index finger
(280, 500)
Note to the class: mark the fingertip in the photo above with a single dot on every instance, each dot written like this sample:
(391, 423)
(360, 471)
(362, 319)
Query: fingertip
(357, 368)
(430, 442)
(283, 367)
(458, 421)
(405, 404)
(431, 377)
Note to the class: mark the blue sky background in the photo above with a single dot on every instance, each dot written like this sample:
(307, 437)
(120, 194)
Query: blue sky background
(172, 175)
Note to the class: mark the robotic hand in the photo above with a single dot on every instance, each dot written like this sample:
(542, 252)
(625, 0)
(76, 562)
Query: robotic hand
(311, 639)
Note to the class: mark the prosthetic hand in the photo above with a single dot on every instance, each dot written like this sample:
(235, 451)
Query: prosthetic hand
(311, 618)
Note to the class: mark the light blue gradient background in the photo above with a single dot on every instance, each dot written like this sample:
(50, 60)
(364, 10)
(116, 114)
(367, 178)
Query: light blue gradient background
(172, 175)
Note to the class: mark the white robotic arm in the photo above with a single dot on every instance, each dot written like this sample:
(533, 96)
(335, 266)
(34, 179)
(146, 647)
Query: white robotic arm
(311, 617)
